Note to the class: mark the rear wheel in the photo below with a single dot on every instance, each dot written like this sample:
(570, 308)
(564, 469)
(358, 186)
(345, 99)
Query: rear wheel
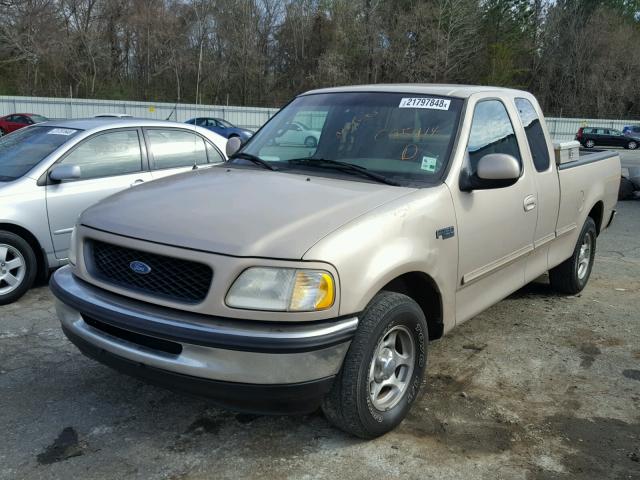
(632, 145)
(383, 371)
(2, 132)
(572, 275)
(18, 267)
(310, 142)
(589, 144)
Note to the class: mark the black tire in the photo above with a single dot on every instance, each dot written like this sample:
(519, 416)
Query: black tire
(589, 144)
(632, 145)
(310, 142)
(348, 406)
(626, 189)
(2, 132)
(30, 264)
(566, 277)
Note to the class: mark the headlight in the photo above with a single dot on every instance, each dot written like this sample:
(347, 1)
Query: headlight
(72, 247)
(282, 289)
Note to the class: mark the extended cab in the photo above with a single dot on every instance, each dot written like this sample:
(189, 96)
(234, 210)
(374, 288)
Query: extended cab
(304, 275)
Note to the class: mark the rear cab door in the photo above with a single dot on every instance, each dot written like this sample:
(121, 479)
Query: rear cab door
(109, 161)
(174, 150)
(538, 148)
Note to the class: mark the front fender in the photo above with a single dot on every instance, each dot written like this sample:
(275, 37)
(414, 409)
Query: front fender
(397, 238)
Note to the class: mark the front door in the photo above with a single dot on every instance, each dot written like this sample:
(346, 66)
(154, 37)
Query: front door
(495, 226)
(109, 162)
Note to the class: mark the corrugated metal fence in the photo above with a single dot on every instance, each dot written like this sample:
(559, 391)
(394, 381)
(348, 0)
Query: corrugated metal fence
(247, 117)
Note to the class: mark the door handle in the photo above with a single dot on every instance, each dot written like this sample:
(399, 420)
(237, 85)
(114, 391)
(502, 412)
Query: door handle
(529, 203)
(137, 182)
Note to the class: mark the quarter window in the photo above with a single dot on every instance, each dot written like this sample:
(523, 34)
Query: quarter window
(107, 155)
(535, 135)
(214, 155)
(176, 148)
(491, 132)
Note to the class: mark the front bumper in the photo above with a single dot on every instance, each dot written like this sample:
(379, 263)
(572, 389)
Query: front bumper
(245, 365)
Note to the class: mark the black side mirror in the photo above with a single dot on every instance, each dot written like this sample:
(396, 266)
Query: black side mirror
(494, 170)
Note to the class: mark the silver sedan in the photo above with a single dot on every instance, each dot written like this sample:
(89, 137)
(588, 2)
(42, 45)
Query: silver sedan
(51, 172)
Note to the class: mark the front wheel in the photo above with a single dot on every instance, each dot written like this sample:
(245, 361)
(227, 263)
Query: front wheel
(632, 145)
(383, 371)
(310, 142)
(18, 267)
(572, 275)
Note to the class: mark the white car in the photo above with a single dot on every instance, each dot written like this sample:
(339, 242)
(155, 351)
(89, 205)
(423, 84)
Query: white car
(297, 133)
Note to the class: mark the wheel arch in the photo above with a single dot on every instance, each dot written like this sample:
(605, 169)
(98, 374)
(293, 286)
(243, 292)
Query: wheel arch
(596, 213)
(33, 242)
(423, 289)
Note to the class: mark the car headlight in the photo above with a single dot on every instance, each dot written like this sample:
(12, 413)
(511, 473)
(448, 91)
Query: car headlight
(72, 248)
(282, 289)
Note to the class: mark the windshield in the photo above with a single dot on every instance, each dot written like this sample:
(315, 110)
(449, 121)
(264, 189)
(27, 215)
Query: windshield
(224, 123)
(24, 149)
(39, 118)
(404, 137)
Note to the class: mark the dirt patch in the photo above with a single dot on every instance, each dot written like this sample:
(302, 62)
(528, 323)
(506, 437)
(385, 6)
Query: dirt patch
(601, 448)
(632, 374)
(459, 420)
(589, 352)
(63, 447)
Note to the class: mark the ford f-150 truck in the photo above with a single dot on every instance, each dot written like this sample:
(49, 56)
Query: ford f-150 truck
(299, 276)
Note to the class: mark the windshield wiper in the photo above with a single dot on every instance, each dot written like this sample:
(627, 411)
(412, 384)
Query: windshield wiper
(253, 159)
(343, 167)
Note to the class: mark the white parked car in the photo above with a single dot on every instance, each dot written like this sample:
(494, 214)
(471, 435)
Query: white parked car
(297, 133)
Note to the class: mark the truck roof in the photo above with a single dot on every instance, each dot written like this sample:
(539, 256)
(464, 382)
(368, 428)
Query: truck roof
(449, 90)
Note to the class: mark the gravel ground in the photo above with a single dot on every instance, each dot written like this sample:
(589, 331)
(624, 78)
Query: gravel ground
(540, 386)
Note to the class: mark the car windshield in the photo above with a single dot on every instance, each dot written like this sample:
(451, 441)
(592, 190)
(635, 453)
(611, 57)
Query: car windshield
(39, 118)
(403, 137)
(224, 123)
(24, 149)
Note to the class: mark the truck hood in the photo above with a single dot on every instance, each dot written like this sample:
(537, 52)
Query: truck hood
(240, 212)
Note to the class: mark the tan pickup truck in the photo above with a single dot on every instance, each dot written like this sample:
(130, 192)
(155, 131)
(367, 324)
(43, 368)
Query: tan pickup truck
(315, 274)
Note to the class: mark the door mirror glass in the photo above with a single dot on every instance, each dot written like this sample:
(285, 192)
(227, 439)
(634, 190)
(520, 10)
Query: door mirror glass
(233, 145)
(65, 172)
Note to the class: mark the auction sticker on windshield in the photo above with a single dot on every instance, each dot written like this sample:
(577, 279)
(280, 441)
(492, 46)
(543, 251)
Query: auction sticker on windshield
(61, 131)
(424, 102)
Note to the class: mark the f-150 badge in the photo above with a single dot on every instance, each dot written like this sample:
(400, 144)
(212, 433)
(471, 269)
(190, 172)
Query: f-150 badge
(445, 233)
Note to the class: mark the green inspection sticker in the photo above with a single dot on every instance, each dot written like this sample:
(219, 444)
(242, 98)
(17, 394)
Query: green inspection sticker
(429, 164)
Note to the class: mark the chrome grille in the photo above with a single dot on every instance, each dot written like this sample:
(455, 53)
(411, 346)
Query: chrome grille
(167, 277)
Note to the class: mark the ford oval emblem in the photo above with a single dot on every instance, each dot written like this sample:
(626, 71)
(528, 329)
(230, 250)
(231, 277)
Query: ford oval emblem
(140, 268)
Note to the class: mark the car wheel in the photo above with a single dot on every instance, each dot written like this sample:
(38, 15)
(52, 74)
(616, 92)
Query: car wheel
(2, 132)
(589, 144)
(18, 267)
(310, 142)
(632, 145)
(383, 371)
(626, 189)
(572, 275)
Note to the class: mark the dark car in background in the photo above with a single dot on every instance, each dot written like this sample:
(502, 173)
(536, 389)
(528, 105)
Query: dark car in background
(221, 127)
(16, 121)
(631, 130)
(589, 137)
